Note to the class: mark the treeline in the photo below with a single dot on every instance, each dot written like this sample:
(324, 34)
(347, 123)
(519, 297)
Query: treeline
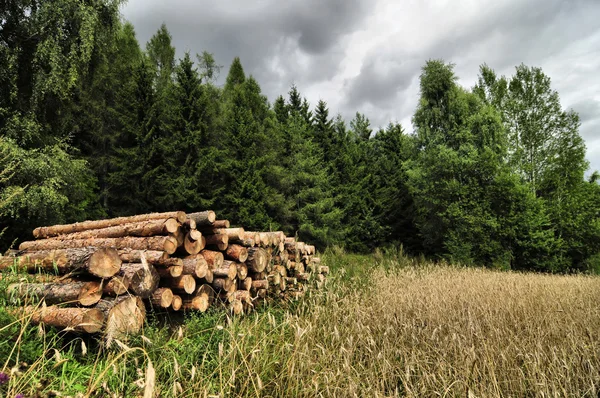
(92, 125)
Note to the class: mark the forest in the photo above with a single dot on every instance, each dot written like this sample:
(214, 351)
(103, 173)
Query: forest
(93, 125)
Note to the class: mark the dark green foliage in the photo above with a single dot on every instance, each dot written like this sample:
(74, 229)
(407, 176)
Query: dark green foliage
(91, 126)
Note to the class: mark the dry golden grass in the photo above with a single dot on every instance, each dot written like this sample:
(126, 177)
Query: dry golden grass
(395, 328)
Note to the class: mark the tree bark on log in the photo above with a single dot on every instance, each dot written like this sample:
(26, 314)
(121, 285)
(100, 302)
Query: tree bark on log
(219, 241)
(124, 315)
(162, 297)
(236, 307)
(195, 265)
(55, 230)
(209, 276)
(234, 234)
(242, 295)
(227, 270)
(103, 262)
(140, 229)
(143, 278)
(203, 218)
(237, 253)
(183, 283)
(189, 224)
(87, 320)
(260, 284)
(166, 243)
(257, 259)
(84, 293)
(213, 258)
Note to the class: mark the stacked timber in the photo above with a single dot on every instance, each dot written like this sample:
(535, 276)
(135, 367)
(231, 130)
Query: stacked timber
(104, 275)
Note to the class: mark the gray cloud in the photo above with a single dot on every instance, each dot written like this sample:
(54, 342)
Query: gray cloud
(296, 41)
(366, 56)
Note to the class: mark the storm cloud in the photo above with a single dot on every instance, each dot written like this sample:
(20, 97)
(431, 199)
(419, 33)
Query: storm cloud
(366, 56)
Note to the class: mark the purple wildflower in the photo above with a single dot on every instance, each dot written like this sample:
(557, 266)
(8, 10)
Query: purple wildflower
(3, 378)
(19, 396)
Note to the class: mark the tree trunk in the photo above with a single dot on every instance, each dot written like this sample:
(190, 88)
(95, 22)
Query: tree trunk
(124, 315)
(257, 259)
(195, 265)
(166, 243)
(84, 293)
(140, 229)
(87, 320)
(237, 253)
(55, 230)
(219, 241)
(162, 297)
(203, 218)
(101, 262)
(227, 270)
(143, 279)
(213, 258)
(183, 283)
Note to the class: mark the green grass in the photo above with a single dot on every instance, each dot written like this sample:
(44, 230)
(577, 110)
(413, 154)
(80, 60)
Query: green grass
(386, 325)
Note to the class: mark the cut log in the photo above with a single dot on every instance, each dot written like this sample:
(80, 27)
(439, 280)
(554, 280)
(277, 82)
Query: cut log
(116, 286)
(242, 270)
(203, 218)
(291, 281)
(237, 253)
(227, 270)
(236, 307)
(143, 278)
(220, 284)
(303, 277)
(87, 320)
(257, 259)
(154, 257)
(274, 279)
(84, 293)
(166, 243)
(170, 272)
(261, 293)
(245, 284)
(162, 297)
(191, 246)
(55, 230)
(236, 234)
(281, 270)
(102, 262)
(323, 269)
(242, 295)
(141, 229)
(221, 224)
(168, 262)
(213, 258)
(124, 315)
(179, 236)
(200, 301)
(219, 241)
(265, 239)
(183, 283)
(194, 235)
(195, 265)
(209, 276)
(189, 224)
(176, 303)
(260, 284)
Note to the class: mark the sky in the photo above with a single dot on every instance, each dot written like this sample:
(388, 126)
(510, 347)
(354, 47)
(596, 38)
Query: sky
(366, 55)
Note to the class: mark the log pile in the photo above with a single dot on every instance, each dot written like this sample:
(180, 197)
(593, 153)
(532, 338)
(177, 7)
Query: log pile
(104, 275)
